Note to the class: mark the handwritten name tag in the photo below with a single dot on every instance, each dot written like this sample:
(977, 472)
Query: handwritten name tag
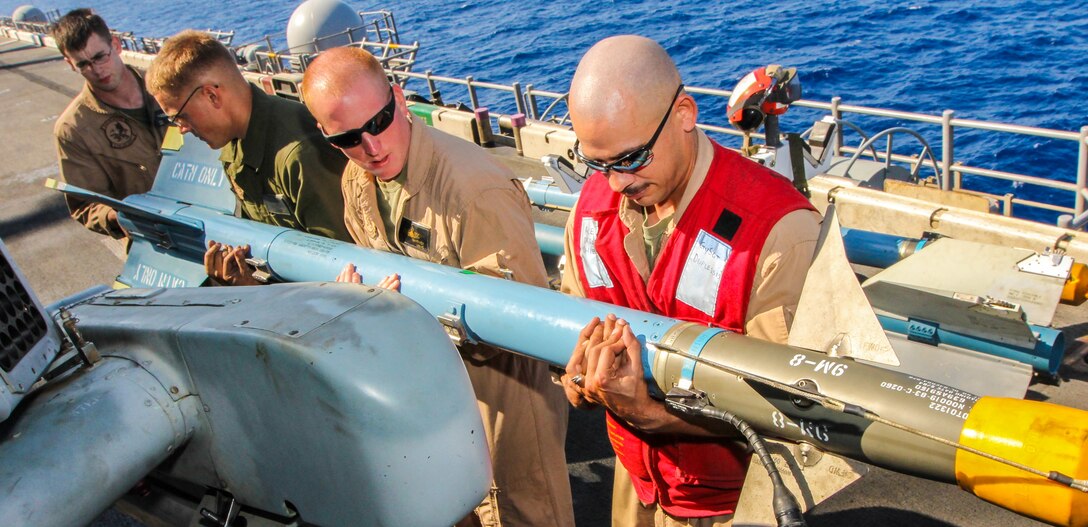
(596, 275)
(702, 274)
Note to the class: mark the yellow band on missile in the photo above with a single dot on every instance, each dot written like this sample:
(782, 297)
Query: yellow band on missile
(1076, 287)
(1040, 435)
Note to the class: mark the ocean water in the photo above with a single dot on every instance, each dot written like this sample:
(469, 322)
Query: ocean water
(1016, 61)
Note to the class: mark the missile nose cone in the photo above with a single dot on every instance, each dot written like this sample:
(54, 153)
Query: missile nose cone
(1040, 435)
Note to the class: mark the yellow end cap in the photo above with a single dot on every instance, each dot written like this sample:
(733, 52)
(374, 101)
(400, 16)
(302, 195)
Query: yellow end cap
(1040, 435)
(1076, 288)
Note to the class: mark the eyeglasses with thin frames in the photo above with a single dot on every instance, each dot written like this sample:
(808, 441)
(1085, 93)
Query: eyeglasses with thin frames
(98, 59)
(374, 126)
(635, 159)
(173, 119)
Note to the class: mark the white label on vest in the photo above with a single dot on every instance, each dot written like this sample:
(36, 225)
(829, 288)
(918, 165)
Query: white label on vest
(596, 275)
(702, 275)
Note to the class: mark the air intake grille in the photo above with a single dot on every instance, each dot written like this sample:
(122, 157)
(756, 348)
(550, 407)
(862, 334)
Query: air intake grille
(21, 327)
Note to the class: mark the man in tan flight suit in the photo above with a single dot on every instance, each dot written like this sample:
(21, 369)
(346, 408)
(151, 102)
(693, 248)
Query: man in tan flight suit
(109, 137)
(419, 192)
(279, 167)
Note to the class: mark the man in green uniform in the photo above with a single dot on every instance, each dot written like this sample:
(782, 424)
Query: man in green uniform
(415, 191)
(278, 165)
(108, 138)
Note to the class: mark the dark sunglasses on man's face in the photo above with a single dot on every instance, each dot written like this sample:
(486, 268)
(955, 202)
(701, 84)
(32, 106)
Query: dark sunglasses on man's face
(635, 159)
(375, 126)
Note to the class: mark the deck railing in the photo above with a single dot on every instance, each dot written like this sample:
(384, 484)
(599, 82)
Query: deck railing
(378, 34)
(152, 45)
(529, 101)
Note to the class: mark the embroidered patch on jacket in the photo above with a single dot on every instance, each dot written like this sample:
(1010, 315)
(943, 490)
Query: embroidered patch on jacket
(702, 274)
(414, 234)
(596, 274)
(118, 132)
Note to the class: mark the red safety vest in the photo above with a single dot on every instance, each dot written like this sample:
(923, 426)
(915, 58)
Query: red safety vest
(730, 216)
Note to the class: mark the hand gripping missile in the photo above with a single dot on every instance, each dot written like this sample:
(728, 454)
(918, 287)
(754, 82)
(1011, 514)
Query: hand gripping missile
(837, 404)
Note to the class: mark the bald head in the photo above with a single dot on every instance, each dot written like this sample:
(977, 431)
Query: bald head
(626, 75)
(625, 105)
(337, 71)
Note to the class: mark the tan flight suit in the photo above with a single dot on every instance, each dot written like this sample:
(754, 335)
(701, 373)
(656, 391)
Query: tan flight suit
(460, 208)
(102, 149)
(783, 263)
(283, 172)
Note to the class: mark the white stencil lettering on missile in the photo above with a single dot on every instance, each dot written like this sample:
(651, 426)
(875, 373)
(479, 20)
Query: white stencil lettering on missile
(152, 277)
(207, 175)
(823, 366)
(806, 428)
(942, 399)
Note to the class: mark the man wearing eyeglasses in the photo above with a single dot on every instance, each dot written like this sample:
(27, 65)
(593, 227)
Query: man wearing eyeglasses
(419, 192)
(670, 223)
(108, 139)
(279, 167)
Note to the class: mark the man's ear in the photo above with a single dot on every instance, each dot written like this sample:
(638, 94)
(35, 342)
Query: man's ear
(688, 112)
(214, 95)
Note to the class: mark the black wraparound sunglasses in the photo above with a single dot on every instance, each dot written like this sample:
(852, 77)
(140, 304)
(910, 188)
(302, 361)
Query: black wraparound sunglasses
(635, 159)
(376, 125)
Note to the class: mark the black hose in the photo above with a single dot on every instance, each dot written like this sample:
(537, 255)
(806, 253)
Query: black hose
(787, 511)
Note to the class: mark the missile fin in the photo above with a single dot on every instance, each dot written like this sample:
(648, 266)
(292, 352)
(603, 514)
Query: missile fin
(833, 314)
(191, 172)
(810, 474)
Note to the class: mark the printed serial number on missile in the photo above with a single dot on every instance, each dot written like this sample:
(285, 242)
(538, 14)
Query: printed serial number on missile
(807, 428)
(823, 366)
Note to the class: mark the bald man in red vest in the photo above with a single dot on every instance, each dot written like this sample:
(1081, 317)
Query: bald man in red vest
(670, 223)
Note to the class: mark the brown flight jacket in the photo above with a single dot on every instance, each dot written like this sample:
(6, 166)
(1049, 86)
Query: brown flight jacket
(458, 208)
(106, 151)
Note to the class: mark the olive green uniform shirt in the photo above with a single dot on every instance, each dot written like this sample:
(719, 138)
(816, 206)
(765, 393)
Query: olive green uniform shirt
(106, 150)
(283, 172)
